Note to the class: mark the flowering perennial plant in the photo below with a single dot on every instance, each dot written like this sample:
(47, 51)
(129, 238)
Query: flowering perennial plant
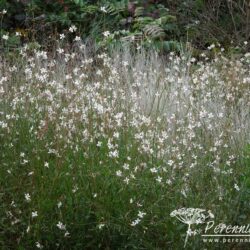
(99, 150)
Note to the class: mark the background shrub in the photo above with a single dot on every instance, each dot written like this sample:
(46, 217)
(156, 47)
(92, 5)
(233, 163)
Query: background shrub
(163, 24)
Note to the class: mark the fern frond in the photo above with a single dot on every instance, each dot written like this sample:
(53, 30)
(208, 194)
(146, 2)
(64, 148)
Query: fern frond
(154, 31)
(114, 9)
(139, 11)
(90, 9)
(144, 20)
(165, 19)
(137, 37)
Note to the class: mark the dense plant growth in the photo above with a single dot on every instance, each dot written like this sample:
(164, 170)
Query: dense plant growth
(162, 24)
(96, 152)
(124, 124)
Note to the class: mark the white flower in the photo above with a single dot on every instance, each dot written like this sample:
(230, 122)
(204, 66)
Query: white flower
(169, 182)
(153, 170)
(46, 164)
(59, 204)
(5, 37)
(126, 166)
(236, 187)
(103, 9)
(38, 245)
(193, 59)
(18, 34)
(135, 222)
(66, 234)
(34, 214)
(72, 28)
(77, 38)
(159, 179)
(119, 173)
(13, 204)
(100, 226)
(62, 36)
(60, 51)
(126, 180)
(27, 197)
(75, 188)
(247, 54)
(61, 226)
(116, 134)
(106, 33)
(141, 214)
(212, 46)
(4, 11)
(114, 154)
(125, 64)
(170, 163)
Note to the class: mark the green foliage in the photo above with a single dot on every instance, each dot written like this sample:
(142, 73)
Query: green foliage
(137, 19)
(199, 22)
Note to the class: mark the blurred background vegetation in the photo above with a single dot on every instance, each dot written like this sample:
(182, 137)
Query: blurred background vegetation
(166, 24)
